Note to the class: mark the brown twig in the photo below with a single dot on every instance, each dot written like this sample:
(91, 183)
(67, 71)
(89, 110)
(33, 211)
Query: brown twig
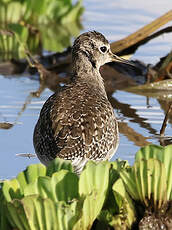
(162, 131)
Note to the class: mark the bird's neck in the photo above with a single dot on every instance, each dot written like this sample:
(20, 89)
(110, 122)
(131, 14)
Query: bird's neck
(86, 70)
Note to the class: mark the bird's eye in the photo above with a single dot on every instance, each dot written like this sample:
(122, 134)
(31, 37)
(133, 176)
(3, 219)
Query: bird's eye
(103, 49)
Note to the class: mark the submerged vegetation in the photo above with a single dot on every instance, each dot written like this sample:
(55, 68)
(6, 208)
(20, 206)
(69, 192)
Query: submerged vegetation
(107, 195)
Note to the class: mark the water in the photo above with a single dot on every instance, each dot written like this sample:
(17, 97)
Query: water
(115, 19)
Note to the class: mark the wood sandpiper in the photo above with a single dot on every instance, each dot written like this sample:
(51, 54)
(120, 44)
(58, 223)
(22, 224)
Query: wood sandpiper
(78, 123)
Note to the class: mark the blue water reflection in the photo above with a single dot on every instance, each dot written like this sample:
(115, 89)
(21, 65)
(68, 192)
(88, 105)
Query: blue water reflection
(115, 19)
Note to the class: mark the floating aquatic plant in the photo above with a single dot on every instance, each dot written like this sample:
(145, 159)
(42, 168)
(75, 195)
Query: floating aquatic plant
(105, 194)
(149, 182)
(39, 198)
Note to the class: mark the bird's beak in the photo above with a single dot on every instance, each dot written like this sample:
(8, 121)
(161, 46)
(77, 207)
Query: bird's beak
(115, 58)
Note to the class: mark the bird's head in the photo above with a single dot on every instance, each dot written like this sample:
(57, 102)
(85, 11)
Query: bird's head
(94, 46)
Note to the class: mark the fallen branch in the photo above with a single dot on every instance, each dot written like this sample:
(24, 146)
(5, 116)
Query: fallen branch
(141, 33)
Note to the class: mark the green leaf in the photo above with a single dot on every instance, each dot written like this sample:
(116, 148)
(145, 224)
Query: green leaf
(128, 178)
(57, 165)
(11, 12)
(167, 160)
(34, 212)
(16, 215)
(119, 192)
(20, 31)
(57, 9)
(93, 177)
(8, 46)
(127, 213)
(39, 6)
(4, 224)
(63, 186)
(41, 214)
(118, 211)
(146, 182)
(30, 174)
(140, 171)
(21, 34)
(93, 186)
(162, 154)
(115, 168)
(150, 151)
(11, 189)
(73, 14)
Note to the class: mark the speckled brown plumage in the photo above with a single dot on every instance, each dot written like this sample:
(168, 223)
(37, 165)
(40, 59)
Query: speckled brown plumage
(78, 122)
